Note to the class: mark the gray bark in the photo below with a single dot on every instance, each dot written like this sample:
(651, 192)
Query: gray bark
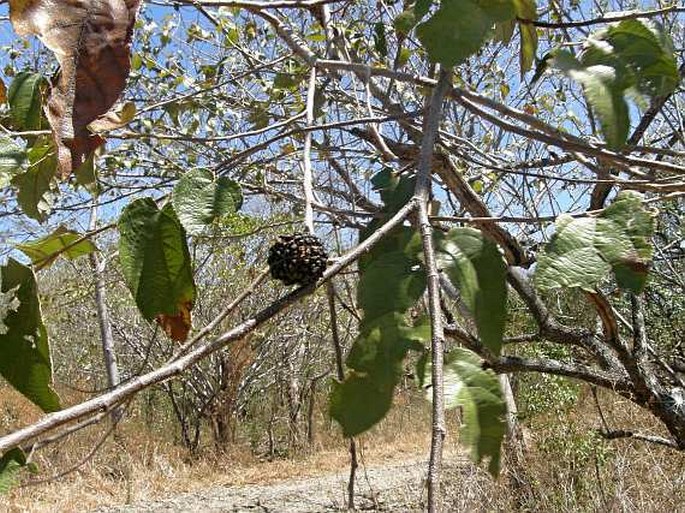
(104, 323)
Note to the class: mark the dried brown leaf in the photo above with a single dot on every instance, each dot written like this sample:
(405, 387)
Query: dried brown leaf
(114, 119)
(177, 326)
(91, 40)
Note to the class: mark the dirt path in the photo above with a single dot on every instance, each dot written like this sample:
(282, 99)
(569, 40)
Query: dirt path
(395, 487)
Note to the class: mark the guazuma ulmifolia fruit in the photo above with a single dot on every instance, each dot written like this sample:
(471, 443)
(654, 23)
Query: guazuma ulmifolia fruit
(297, 259)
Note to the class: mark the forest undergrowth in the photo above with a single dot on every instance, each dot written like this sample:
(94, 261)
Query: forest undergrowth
(566, 466)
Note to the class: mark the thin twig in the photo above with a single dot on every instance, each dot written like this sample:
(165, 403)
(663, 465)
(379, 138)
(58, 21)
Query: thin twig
(307, 179)
(622, 433)
(248, 291)
(83, 460)
(609, 18)
(337, 347)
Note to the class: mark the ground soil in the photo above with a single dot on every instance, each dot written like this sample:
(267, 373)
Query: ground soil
(387, 487)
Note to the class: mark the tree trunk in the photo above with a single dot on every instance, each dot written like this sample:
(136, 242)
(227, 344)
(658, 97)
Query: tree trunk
(104, 323)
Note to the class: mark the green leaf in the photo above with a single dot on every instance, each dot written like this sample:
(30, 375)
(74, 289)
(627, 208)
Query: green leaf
(570, 259)
(359, 403)
(404, 22)
(382, 345)
(627, 57)
(504, 31)
(25, 100)
(380, 42)
(12, 157)
(87, 177)
(403, 57)
(421, 8)
(62, 242)
(392, 281)
(376, 357)
(498, 10)
(476, 266)
(645, 48)
(527, 10)
(259, 116)
(478, 393)
(459, 28)
(541, 66)
(288, 81)
(24, 350)
(630, 261)
(35, 187)
(200, 199)
(155, 261)
(605, 92)
(583, 251)
(11, 464)
(136, 61)
(395, 190)
(455, 32)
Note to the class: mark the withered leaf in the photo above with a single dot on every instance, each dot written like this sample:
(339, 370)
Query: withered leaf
(114, 118)
(91, 40)
(177, 326)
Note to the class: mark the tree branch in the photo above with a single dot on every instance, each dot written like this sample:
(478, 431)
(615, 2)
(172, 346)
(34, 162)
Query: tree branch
(622, 433)
(422, 195)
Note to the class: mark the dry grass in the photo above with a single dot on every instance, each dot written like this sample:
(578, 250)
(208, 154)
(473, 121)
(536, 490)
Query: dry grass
(141, 464)
(567, 469)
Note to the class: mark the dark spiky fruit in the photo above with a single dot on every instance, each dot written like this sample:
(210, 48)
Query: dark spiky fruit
(297, 259)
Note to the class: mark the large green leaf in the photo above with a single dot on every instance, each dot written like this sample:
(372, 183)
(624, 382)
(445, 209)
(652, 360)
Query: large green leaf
(504, 31)
(376, 357)
(360, 402)
(391, 273)
(86, 176)
(25, 100)
(604, 88)
(476, 266)
(199, 199)
(382, 345)
(421, 8)
(395, 190)
(570, 259)
(62, 242)
(645, 48)
(24, 350)
(404, 22)
(633, 55)
(36, 186)
(459, 28)
(11, 464)
(12, 157)
(583, 251)
(380, 41)
(629, 259)
(478, 393)
(391, 281)
(156, 264)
